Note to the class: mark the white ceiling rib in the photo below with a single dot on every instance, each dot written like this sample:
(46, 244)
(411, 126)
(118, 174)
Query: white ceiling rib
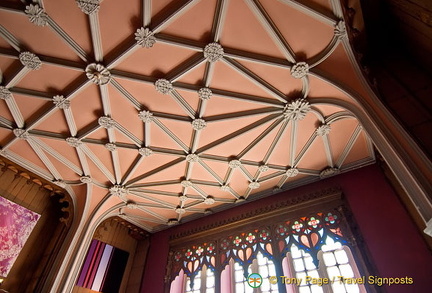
(204, 153)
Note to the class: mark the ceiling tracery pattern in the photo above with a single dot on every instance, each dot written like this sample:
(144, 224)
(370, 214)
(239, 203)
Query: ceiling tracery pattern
(171, 122)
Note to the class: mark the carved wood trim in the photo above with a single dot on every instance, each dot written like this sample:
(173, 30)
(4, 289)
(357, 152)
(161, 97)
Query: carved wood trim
(295, 205)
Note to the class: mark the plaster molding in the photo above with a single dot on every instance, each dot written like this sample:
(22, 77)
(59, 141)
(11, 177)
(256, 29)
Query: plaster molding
(74, 142)
(300, 70)
(297, 109)
(292, 172)
(5, 93)
(192, 158)
(145, 38)
(119, 190)
(180, 210)
(323, 129)
(145, 152)
(106, 122)
(36, 15)
(88, 6)
(145, 116)
(340, 30)
(60, 102)
(225, 187)
(199, 124)
(60, 183)
(21, 133)
(183, 198)
(163, 86)
(86, 179)
(291, 203)
(254, 185)
(98, 73)
(209, 200)
(263, 168)
(186, 183)
(213, 52)
(172, 222)
(233, 164)
(111, 146)
(30, 60)
(205, 93)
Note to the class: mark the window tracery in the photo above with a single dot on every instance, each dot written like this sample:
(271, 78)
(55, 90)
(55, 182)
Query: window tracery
(286, 241)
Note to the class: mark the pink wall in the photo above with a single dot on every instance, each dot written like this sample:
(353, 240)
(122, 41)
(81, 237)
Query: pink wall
(394, 242)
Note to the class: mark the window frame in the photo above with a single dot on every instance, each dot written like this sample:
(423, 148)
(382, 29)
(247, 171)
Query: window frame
(330, 200)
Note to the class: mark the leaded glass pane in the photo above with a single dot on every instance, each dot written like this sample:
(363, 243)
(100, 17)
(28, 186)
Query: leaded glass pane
(309, 263)
(329, 259)
(304, 289)
(352, 288)
(333, 272)
(316, 289)
(299, 265)
(341, 256)
(346, 271)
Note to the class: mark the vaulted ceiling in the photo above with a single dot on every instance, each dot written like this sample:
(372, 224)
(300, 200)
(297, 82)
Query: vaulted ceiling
(162, 111)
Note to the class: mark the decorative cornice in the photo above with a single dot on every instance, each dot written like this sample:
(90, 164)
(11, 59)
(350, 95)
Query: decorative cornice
(300, 70)
(205, 93)
(36, 15)
(98, 73)
(199, 124)
(60, 102)
(163, 86)
(273, 210)
(5, 93)
(213, 52)
(30, 60)
(88, 6)
(145, 37)
(297, 109)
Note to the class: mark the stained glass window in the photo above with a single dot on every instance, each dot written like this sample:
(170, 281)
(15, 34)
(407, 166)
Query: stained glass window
(314, 247)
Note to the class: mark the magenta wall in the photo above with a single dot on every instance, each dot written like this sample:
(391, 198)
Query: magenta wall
(394, 242)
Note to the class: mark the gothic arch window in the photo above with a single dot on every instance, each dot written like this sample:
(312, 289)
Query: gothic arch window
(303, 254)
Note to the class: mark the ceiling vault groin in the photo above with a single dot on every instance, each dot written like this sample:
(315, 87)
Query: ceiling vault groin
(215, 127)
